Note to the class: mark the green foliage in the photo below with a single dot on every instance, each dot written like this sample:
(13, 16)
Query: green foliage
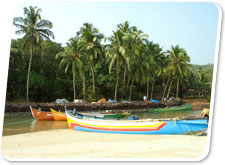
(91, 97)
(109, 67)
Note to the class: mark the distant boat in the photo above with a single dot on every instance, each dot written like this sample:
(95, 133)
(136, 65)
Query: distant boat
(58, 116)
(41, 115)
(174, 108)
(143, 126)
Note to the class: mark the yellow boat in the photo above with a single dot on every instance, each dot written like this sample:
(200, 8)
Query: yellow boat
(58, 116)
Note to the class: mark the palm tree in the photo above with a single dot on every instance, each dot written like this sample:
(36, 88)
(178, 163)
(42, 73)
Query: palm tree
(140, 67)
(165, 74)
(133, 42)
(116, 52)
(35, 30)
(155, 53)
(179, 64)
(91, 39)
(71, 56)
(126, 30)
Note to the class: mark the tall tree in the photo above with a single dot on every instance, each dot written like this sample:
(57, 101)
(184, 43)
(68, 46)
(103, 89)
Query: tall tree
(137, 52)
(71, 56)
(139, 67)
(179, 64)
(154, 53)
(116, 52)
(35, 30)
(91, 39)
(126, 30)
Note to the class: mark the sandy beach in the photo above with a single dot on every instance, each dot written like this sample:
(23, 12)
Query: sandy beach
(65, 143)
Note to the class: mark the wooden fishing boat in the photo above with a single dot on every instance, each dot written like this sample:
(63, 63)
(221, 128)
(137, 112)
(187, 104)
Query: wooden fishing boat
(41, 115)
(58, 116)
(109, 115)
(142, 126)
(174, 108)
(101, 115)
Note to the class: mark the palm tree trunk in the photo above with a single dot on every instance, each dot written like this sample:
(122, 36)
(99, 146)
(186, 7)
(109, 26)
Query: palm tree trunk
(124, 77)
(84, 89)
(147, 95)
(168, 94)
(131, 88)
(93, 80)
(178, 80)
(128, 83)
(164, 92)
(28, 72)
(153, 83)
(124, 81)
(117, 78)
(74, 86)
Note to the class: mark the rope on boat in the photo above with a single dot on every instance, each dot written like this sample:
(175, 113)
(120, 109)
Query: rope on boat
(175, 120)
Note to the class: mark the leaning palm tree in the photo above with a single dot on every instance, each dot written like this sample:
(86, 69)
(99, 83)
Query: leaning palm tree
(179, 64)
(71, 56)
(91, 39)
(35, 30)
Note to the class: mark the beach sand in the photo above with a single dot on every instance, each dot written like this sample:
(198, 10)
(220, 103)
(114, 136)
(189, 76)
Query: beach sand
(66, 143)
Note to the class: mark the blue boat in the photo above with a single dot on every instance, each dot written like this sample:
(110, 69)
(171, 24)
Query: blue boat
(172, 126)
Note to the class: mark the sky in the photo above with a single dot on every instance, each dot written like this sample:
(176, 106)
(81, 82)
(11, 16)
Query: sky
(191, 25)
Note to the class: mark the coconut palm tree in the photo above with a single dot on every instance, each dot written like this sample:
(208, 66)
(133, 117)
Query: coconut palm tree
(35, 30)
(140, 67)
(117, 54)
(125, 29)
(91, 39)
(133, 42)
(71, 56)
(179, 64)
(155, 54)
(163, 71)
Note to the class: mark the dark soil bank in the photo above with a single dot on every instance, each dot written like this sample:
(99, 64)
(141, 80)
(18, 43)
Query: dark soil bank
(24, 107)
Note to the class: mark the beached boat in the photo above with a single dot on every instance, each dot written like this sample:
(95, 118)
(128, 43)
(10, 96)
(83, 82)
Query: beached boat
(174, 108)
(41, 115)
(58, 116)
(102, 115)
(142, 126)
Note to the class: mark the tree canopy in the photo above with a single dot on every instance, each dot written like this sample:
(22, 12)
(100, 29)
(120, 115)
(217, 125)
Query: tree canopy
(91, 66)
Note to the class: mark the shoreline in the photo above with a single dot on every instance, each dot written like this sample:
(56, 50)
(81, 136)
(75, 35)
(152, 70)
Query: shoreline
(66, 143)
(24, 107)
(197, 104)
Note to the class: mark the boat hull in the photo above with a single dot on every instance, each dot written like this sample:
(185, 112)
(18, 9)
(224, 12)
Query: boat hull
(40, 115)
(137, 127)
(185, 107)
(58, 116)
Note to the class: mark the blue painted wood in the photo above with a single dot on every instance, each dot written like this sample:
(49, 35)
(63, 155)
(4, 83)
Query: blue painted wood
(172, 127)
